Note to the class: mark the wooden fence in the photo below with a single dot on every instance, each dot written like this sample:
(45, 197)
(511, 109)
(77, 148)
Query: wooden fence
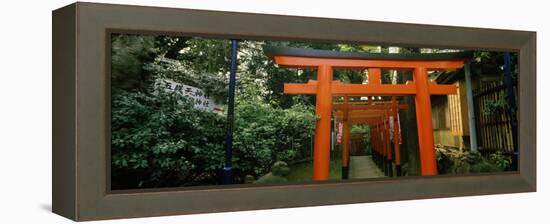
(493, 119)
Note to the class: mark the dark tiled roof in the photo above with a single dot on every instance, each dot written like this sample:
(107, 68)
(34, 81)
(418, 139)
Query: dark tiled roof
(271, 51)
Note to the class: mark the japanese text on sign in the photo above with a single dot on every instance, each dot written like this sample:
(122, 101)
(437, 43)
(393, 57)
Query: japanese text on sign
(201, 100)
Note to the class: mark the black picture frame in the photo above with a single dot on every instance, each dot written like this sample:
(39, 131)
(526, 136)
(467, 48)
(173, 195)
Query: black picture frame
(81, 125)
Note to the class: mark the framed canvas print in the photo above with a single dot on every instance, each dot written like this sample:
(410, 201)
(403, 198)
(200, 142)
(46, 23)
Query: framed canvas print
(202, 111)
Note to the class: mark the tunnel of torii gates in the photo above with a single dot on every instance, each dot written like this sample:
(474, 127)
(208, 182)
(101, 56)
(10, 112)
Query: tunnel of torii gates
(325, 88)
(382, 118)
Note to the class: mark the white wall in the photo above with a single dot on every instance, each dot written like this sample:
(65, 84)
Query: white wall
(25, 119)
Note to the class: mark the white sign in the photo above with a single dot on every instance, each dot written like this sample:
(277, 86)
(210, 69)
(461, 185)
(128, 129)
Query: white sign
(200, 99)
(339, 133)
(392, 128)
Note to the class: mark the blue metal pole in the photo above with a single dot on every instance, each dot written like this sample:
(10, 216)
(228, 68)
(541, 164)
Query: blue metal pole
(511, 101)
(228, 168)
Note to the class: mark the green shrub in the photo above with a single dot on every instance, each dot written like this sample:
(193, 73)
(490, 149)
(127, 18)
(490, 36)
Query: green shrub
(160, 140)
(455, 161)
(503, 162)
(264, 135)
(482, 167)
(278, 174)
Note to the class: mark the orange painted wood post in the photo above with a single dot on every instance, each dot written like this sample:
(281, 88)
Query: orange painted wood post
(345, 140)
(374, 79)
(382, 146)
(378, 145)
(395, 114)
(373, 141)
(376, 135)
(388, 143)
(374, 76)
(428, 166)
(323, 108)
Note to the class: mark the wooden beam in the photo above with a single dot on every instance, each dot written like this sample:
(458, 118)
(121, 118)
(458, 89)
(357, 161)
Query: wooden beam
(299, 88)
(438, 89)
(379, 90)
(368, 107)
(341, 89)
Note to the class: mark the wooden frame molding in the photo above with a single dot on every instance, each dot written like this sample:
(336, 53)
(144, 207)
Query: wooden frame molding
(81, 111)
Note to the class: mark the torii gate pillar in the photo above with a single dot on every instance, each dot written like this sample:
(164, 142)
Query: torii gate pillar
(323, 109)
(424, 122)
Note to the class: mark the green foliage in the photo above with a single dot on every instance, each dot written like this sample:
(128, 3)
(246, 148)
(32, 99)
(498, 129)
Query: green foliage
(129, 54)
(160, 140)
(489, 62)
(454, 161)
(303, 171)
(260, 79)
(444, 163)
(360, 129)
(280, 168)
(271, 178)
(358, 48)
(495, 107)
(264, 134)
(278, 174)
(170, 47)
(364, 131)
(207, 55)
(198, 62)
(483, 167)
(500, 160)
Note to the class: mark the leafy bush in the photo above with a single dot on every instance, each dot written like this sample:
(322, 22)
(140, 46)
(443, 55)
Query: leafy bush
(278, 174)
(129, 54)
(500, 160)
(482, 167)
(455, 161)
(160, 140)
(364, 131)
(264, 135)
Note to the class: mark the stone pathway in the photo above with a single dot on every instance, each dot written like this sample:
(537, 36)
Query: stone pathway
(364, 167)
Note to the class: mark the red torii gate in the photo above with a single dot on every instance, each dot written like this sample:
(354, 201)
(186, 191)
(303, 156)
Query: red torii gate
(367, 113)
(381, 137)
(325, 88)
